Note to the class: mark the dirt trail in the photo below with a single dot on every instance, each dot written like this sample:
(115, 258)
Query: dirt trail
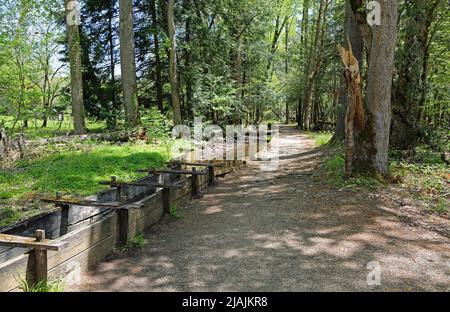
(281, 231)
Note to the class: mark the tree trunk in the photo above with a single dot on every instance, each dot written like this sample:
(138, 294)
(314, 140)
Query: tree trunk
(353, 33)
(128, 63)
(188, 64)
(158, 69)
(303, 44)
(76, 80)
(316, 62)
(411, 85)
(286, 67)
(373, 141)
(173, 64)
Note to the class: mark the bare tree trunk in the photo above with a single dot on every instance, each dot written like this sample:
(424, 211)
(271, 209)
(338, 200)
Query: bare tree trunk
(411, 85)
(303, 44)
(173, 63)
(128, 63)
(316, 62)
(373, 141)
(158, 70)
(353, 33)
(76, 78)
(286, 66)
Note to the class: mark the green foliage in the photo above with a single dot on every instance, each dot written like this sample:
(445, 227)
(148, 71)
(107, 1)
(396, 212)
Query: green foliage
(77, 171)
(174, 212)
(429, 182)
(334, 168)
(42, 286)
(138, 242)
(321, 139)
(156, 124)
(7, 215)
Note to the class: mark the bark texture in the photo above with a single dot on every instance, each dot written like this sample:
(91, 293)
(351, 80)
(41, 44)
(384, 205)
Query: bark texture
(128, 63)
(173, 64)
(373, 141)
(76, 79)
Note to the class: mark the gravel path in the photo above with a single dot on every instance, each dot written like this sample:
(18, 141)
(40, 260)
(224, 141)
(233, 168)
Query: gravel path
(281, 231)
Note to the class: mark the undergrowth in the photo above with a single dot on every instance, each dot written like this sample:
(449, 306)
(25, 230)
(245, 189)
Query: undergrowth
(320, 138)
(422, 173)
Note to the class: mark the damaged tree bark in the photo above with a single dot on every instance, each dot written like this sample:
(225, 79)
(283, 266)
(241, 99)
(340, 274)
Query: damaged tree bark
(355, 111)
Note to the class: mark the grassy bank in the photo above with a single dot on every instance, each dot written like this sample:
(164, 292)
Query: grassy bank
(75, 171)
(321, 138)
(426, 178)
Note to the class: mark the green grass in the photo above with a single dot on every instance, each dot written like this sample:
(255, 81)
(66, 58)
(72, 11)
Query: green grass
(429, 182)
(138, 242)
(424, 176)
(42, 286)
(8, 216)
(78, 172)
(334, 167)
(321, 139)
(174, 211)
(34, 130)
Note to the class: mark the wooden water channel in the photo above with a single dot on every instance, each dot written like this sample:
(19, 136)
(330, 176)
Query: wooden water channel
(79, 233)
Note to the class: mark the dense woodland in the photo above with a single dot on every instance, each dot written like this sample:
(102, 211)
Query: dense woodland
(231, 62)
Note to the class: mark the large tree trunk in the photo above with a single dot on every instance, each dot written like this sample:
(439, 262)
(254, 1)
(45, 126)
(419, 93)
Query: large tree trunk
(286, 66)
(188, 64)
(128, 63)
(353, 33)
(173, 64)
(316, 63)
(158, 68)
(411, 85)
(76, 80)
(303, 44)
(373, 141)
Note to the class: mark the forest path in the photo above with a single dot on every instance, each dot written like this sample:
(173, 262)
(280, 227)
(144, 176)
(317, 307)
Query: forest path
(285, 230)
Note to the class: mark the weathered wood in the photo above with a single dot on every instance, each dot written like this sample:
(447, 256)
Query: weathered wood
(212, 175)
(195, 164)
(74, 202)
(90, 244)
(195, 184)
(40, 258)
(29, 242)
(119, 183)
(123, 226)
(166, 200)
(184, 172)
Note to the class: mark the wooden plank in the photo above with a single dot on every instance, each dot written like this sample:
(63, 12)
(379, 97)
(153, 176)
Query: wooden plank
(118, 183)
(79, 241)
(74, 202)
(123, 226)
(40, 258)
(195, 184)
(185, 172)
(29, 242)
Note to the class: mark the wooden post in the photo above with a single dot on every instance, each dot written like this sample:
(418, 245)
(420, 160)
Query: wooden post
(123, 226)
(64, 223)
(166, 200)
(212, 175)
(195, 184)
(40, 256)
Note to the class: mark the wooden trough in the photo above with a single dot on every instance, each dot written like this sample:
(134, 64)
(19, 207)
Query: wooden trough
(77, 234)
(80, 233)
